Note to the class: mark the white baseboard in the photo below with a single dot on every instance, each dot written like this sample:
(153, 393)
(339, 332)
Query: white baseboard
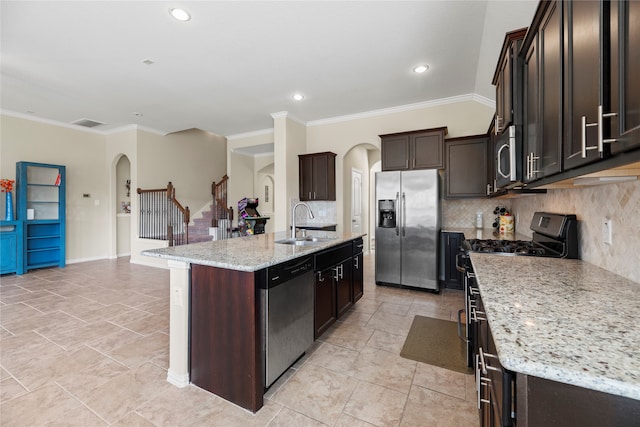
(177, 379)
(77, 260)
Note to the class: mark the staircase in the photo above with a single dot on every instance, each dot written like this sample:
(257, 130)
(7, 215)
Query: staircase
(199, 231)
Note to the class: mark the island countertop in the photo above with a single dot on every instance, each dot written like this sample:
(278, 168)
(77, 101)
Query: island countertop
(248, 253)
(563, 320)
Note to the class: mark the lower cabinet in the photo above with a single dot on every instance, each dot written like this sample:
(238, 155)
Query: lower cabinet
(344, 286)
(358, 277)
(450, 276)
(339, 283)
(11, 260)
(325, 302)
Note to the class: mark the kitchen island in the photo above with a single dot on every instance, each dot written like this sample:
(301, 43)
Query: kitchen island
(228, 275)
(568, 327)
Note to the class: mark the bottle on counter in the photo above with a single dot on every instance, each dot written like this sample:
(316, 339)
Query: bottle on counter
(479, 222)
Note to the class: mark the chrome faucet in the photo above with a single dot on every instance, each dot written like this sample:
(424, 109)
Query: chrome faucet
(293, 217)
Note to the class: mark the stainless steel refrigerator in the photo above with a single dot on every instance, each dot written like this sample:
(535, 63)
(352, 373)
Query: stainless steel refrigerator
(407, 228)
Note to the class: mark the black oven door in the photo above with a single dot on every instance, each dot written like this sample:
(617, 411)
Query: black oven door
(508, 158)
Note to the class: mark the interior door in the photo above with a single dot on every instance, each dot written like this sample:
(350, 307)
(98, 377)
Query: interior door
(356, 201)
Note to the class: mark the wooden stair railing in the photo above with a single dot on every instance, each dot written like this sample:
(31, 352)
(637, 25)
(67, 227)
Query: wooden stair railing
(220, 209)
(162, 217)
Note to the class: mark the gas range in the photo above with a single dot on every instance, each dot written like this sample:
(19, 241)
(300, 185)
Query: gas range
(554, 235)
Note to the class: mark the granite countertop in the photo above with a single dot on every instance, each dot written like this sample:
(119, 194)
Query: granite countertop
(563, 320)
(248, 253)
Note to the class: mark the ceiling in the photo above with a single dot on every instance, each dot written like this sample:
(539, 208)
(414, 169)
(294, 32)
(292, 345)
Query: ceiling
(236, 62)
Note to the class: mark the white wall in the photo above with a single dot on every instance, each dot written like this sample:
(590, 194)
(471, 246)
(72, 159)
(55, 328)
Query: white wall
(83, 153)
(191, 159)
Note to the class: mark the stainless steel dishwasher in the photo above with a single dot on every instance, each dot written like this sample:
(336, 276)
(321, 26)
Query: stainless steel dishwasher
(287, 315)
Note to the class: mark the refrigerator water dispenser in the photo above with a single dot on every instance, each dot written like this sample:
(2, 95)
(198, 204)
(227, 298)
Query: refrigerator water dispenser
(386, 213)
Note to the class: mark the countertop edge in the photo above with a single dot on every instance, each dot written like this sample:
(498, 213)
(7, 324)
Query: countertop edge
(526, 354)
(274, 259)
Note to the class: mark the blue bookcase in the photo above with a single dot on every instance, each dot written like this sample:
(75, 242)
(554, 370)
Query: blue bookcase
(41, 208)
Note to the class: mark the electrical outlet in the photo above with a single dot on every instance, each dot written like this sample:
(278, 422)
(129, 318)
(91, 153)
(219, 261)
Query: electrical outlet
(607, 231)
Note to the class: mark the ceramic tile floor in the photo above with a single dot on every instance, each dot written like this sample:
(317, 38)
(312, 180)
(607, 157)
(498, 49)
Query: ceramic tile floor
(87, 345)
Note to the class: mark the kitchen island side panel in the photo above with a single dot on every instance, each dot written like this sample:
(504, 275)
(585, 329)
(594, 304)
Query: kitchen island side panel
(225, 339)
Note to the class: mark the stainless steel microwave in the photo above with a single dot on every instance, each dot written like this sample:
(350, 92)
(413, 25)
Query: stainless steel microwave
(508, 158)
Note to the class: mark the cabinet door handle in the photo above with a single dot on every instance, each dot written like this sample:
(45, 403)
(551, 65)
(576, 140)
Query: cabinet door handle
(601, 140)
(309, 195)
(500, 163)
(533, 159)
(488, 189)
(599, 125)
(356, 263)
(583, 136)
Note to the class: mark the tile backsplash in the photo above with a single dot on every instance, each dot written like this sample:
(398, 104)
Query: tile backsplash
(618, 202)
(462, 213)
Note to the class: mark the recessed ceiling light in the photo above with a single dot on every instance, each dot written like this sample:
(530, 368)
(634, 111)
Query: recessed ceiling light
(180, 14)
(298, 96)
(420, 69)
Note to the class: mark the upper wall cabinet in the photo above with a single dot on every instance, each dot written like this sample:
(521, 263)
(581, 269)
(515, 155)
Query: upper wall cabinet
(466, 172)
(581, 94)
(542, 93)
(421, 149)
(317, 176)
(602, 90)
(507, 80)
(624, 84)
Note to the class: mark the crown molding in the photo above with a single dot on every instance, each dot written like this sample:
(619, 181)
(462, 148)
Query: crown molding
(249, 134)
(408, 107)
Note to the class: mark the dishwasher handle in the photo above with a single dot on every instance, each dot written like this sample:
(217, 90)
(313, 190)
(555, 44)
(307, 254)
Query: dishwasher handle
(286, 271)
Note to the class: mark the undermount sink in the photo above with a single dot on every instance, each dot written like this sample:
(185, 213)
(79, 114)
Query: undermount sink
(304, 241)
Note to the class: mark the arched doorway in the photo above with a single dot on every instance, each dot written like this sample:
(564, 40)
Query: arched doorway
(357, 184)
(123, 206)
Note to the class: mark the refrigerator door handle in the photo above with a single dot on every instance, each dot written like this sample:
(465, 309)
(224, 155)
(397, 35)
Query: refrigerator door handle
(398, 216)
(404, 215)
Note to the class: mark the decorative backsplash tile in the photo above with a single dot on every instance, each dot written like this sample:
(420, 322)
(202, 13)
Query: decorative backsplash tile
(462, 213)
(591, 205)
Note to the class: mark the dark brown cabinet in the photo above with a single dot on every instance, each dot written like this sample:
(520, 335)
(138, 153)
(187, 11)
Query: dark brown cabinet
(421, 149)
(357, 276)
(317, 173)
(542, 93)
(466, 175)
(507, 80)
(450, 243)
(225, 342)
(602, 92)
(582, 77)
(338, 284)
(344, 286)
(624, 83)
(325, 302)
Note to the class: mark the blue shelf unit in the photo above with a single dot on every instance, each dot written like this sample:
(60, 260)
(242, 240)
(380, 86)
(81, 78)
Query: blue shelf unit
(41, 191)
(11, 247)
